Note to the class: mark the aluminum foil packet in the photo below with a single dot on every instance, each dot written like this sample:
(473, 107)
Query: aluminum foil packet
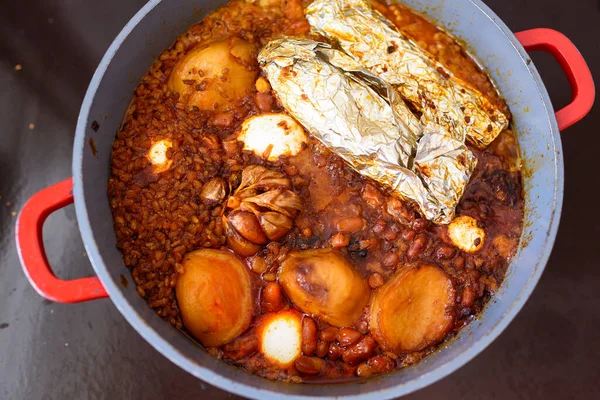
(368, 37)
(362, 119)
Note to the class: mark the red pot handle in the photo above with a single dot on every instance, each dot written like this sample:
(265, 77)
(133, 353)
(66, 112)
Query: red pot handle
(574, 66)
(30, 247)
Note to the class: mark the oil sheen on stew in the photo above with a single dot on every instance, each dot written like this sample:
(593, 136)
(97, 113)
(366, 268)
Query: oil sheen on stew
(295, 267)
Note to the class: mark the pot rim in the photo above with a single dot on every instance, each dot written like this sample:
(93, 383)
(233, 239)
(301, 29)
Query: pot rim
(225, 383)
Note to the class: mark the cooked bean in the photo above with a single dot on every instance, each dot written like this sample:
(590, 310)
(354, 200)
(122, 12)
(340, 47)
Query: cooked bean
(309, 365)
(340, 240)
(322, 349)
(375, 280)
(381, 364)
(328, 334)
(222, 120)
(351, 224)
(271, 298)
(459, 262)
(334, 352)
(241, 347)
(372, 196)
(408, 234)
(363, 370)
(320, 160)
(390, 260)
(362, 326)
(264, 101)
(417, 245)
(445, 252)
(468, 297)
(379, 227)
(309, 336)
(360, 351)
(419, 224)
(390, 234)
(375, 365)
(347, 336)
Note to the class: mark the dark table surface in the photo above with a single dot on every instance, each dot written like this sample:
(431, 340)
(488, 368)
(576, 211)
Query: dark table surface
(58, 351)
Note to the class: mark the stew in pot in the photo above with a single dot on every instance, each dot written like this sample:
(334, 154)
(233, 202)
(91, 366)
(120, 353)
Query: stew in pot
(259, 241)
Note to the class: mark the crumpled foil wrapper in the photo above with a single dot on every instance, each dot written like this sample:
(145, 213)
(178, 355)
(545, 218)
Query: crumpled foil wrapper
(362, 119)
(372, 40)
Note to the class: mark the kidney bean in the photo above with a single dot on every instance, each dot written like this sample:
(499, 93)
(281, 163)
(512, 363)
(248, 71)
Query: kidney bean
(271, 297)
(459, 262)
(264, 101)
(319, 160)
(351, 224)
(468, 297)
(417, 245)
(408, 234)
(381, 364)
(221, 120)
(390, 234)
(372, 196)
(241, 347)
(390, 260)
(379, 227)
(309, 365)
(334, 352)
(375, 280)
(328, 334)
(362, 326)
(348, 336)
(445, 252)
(419, 224)
(363, 370)
(360, 351)
(309, 336)
(322, 349)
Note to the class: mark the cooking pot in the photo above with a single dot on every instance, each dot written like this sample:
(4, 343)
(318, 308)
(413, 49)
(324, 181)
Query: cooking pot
(502, 53)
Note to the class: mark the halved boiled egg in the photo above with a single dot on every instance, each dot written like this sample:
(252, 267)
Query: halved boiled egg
(272, 135)
(158, 155)
(466, 234)
(281, 337)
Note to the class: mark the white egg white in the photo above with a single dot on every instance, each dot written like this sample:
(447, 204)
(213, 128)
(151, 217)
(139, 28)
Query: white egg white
(272, 135)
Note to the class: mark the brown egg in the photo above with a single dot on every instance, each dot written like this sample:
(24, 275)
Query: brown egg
(216, 75)
(323, 283)
(214, 312)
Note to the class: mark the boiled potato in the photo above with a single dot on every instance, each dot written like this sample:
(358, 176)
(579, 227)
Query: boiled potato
(324, 284)
(219, 73)
(214, 295)
(413, 309)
